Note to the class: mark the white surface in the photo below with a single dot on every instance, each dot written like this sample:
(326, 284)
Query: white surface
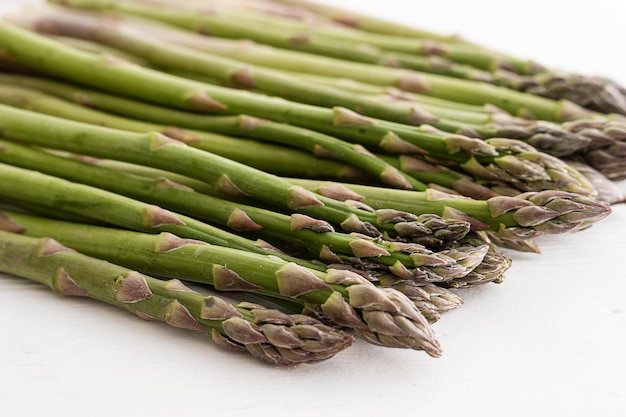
(550, 340)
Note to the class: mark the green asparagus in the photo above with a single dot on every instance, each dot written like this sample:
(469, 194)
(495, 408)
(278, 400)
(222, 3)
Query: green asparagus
(503, 159)
(45, 191)
(315, 235)
(165, 54)
(269, 335)
(229, 177)
(263, 158)
(381, 315)
(528, 214)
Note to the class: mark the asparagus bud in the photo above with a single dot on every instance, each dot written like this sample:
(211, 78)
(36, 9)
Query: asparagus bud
(606, 151)
(430, 299)
(549, 212)
(595, 93)
(608, 190)
(386, 316)
(551, 138)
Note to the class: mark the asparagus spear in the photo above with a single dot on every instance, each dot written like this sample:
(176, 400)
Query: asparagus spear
(518, 220)
(163, 53)
(374, 55)
(596, 93)
(264, 157)
(33, 187)
(555, 139)
(269, 335)
(475, 155)
(268, 81)
(492, 269)
(226, 21)
(360, 21)
(370, 55)
(526, 245)
(431, 84)
(430, 299)
(277, 160)
(439, 175)
(277, 9)
(227, 176)
(485, 121)
(384, 316)
(527, 215)
(317, 236)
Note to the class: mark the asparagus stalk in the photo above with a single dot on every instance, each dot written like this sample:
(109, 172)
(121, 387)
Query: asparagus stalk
(419, 263)
(226, 21)
(576, 136)
(263, 157)
(475, 113)
(430, 299)
(269, 335)
(485, 121)
(242, 75)
(555, 139)
(47, 191)
(226, 48)
(491, 270)
(520, 245)
(496, 180)
(431, 84)
(148, 173)
(277, 9)
(333, 48)
(474, 154)
(445, 178)
(166, 54)
(527, 215)
(361, 21)
(526, 245)
(596, 93)
(383, 316)
(277, 160)
(370, 55)
(229, 177)
(434, 65)
(317, 236)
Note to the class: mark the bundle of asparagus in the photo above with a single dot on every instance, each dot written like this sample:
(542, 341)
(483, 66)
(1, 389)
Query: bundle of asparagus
(355, 197)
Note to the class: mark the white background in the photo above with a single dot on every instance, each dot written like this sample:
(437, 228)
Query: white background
(550, 340)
